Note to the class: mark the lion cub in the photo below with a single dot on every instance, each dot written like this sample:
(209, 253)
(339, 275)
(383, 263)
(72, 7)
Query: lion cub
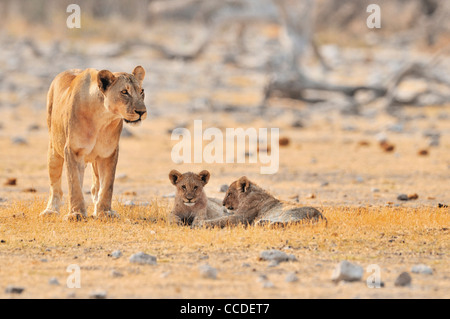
(253, 205)
(191, 203)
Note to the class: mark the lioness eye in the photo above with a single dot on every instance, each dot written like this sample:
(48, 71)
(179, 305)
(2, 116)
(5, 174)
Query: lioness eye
(183, 187)
(195, 188)
(124, 92)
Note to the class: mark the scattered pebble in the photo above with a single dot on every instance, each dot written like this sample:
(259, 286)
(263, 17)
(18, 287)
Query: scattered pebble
(11, 182)
(116, 254)
(143, 259)
(53, 281)
(206, 271)
(442, 205)
(375, 190)
(403, 197)
(291, 277)
(268, 284)
(284, 141)
(14, 289)
(387, 147)
(116, 274)
(422, 152)
(404, 279)
(121, 177)
(276, 255)
(18, 140)
(422, 269)
(101, 294)
(347, 271)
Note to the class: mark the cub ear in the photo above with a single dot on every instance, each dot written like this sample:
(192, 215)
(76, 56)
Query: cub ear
(244, 184)
(204, 175)
(174, 176)
(139, 74)
(104, 79)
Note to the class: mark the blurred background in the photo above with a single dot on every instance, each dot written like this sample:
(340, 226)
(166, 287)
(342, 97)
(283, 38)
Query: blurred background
(313, 68)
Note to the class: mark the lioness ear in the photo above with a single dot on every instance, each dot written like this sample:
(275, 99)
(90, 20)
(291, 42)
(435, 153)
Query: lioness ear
(204, 175)
(174, 176)
(104, 79)
(244, 184)
(139, 74)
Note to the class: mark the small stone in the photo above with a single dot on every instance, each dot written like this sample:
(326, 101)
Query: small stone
(421, 269)
(223, 188)
(275, 255)
(261, 278)
(116, 254)
(53, 281)
(206, 271)
(11, 182)
(403, 197)
(116, 274)
(14, 289)
(291, 277)
(404, 279)
(19, 140)
(143, 259)
(101, 294)
(268, 284)
(347, 271)
(375, 190)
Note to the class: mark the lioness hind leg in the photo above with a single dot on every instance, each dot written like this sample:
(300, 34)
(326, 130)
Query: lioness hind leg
(55, 167)
(106, 172)
(95, 183)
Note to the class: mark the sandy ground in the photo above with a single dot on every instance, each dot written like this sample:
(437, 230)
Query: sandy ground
(336, 165)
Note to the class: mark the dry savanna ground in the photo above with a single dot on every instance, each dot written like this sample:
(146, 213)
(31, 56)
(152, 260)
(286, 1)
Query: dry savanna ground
(336, 166)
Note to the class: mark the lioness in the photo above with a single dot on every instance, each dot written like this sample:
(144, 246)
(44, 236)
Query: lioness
(191, 204)
(85, 114)
(251, 204)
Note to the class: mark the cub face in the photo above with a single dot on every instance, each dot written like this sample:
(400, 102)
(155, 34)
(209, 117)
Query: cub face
(236, 192)
(189, 185)
(123, 94)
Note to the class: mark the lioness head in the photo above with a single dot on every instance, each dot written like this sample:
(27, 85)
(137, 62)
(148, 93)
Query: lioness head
(189, 185)
(237, 189)
(123, 94)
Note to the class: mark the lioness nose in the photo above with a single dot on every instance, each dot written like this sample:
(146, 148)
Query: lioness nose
(140, 112)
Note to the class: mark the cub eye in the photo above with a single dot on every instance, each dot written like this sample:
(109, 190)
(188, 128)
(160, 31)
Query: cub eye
(195, 188)
(142, 92)
(183, 187)
(124, 92)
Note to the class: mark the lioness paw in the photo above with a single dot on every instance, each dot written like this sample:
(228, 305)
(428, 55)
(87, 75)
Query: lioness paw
(110, 214)
(49, 213)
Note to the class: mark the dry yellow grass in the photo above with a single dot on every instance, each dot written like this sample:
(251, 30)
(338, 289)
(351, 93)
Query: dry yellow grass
(393, 238)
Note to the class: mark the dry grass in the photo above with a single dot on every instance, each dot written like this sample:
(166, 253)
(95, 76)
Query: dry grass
(394, 238)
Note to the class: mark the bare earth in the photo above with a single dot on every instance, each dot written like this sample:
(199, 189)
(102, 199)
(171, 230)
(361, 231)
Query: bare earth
(336, 166)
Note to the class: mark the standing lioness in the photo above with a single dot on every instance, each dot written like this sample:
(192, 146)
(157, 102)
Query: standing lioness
(85, 114)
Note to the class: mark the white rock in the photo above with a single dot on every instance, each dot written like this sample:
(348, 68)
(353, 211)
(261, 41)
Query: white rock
(206, 271)
(421, 269)
(276, 256)
(347, 271)
(143, 259)
(116, 254)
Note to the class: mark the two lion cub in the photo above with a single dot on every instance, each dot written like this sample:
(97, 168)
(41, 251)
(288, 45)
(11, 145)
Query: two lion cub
(249, 203)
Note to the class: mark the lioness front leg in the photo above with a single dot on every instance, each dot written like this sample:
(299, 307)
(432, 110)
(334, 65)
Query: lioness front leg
(106, 172)
(55, 168)
(75, 175)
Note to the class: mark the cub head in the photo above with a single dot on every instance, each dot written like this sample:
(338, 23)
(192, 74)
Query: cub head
(189, 185)
(236, 192)
(123, 94)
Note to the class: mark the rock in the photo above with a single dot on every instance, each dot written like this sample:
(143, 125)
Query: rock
(206, 271)
(442, 205)
(101, 294)
(284, 141)
(143, 259)
(116, 274)
(223, 188)
(291, 277)
(275, 255)
(423, 152)
(116, 254)
(404, 279)
(11, 182)
(347, 271)
(53, 281)
(375, 190)
(14, 289)
(121, 177)
(33, 127)
(403, 197)
(421, 269)
(268, 284)
(297, 124)
(19, 140)
(413, 196)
